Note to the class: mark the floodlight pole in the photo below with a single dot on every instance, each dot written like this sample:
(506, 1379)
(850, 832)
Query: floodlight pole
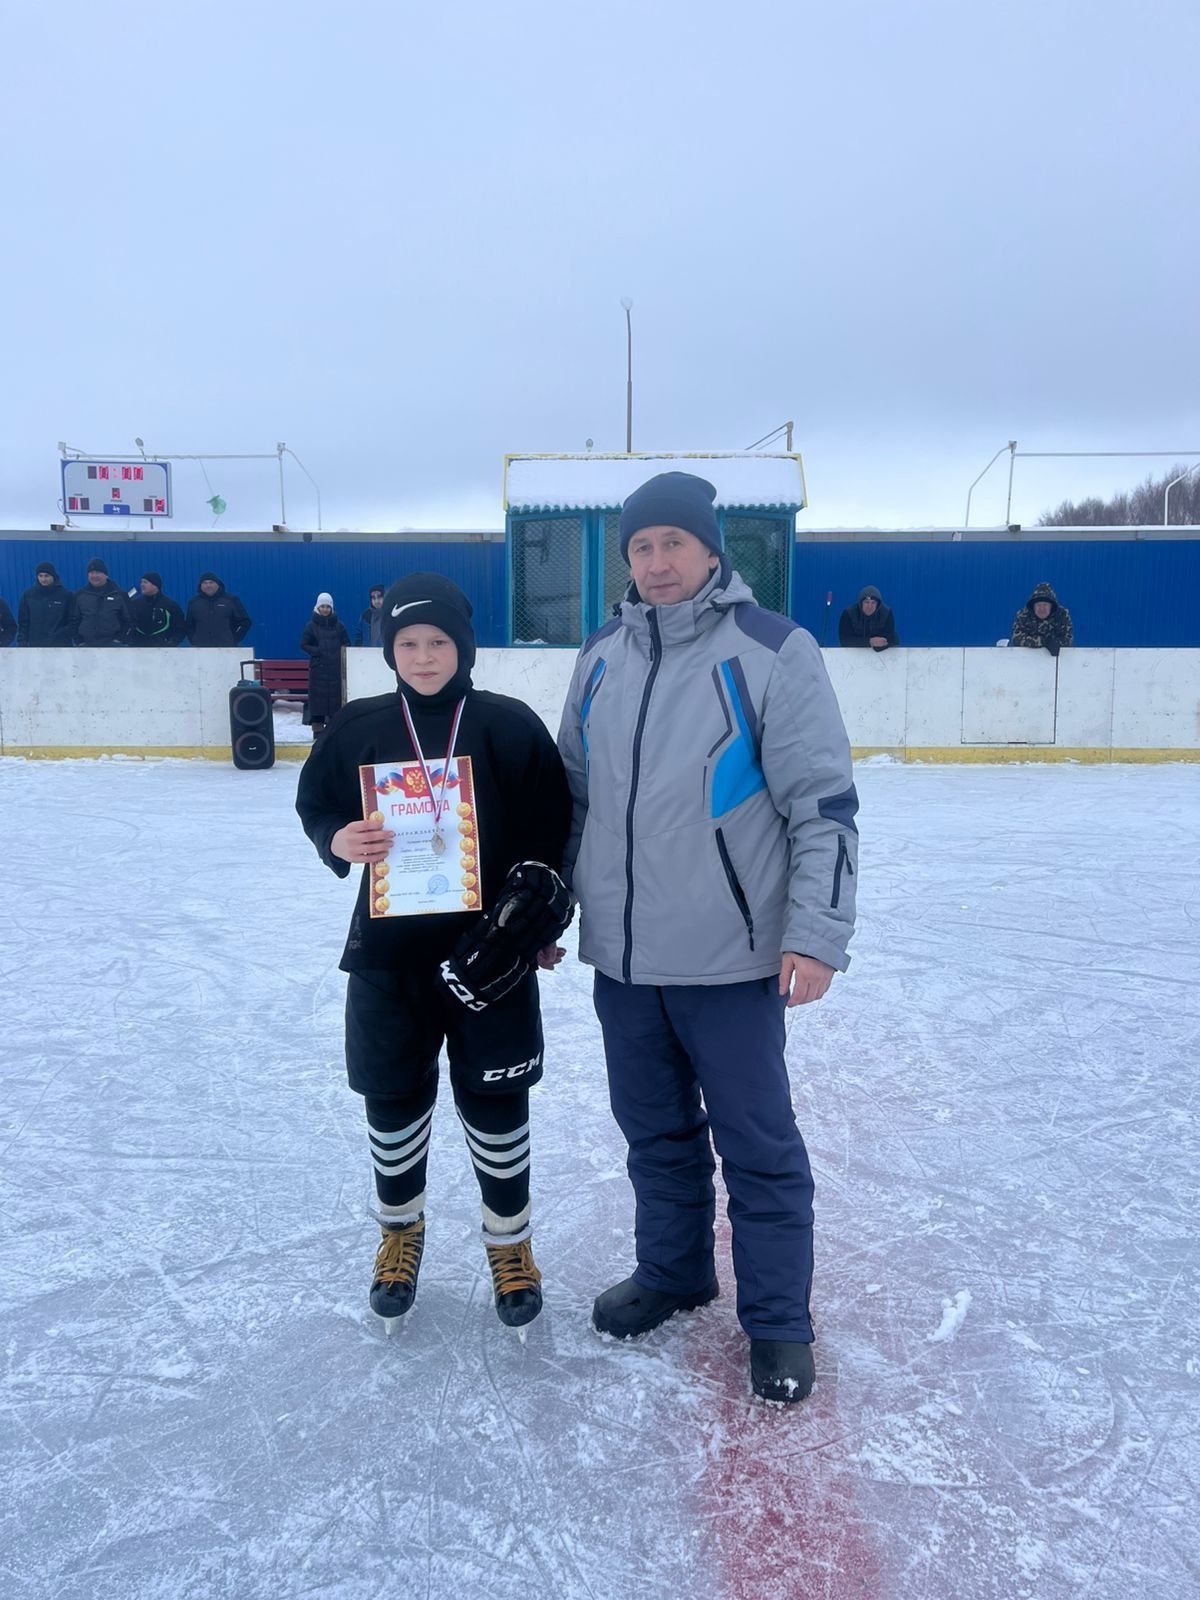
(628, 305)
(279, 449)
(1011, 447)
(311, 480)
(1166, 492)
(767, 438)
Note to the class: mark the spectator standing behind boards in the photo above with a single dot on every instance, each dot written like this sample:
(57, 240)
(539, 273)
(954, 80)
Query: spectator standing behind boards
(215, 619)
(157, 620)
(868, 624)
(1043, 623)
(370, 624)
(46, 614)
(322, 643)
(8, 624)
(101, 609)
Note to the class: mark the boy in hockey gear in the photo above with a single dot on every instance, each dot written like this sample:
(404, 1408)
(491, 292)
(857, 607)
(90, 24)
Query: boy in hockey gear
(399, 1011)
(699, 706)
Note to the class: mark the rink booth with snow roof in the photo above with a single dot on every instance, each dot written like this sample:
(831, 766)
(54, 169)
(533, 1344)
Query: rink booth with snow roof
(565, 568)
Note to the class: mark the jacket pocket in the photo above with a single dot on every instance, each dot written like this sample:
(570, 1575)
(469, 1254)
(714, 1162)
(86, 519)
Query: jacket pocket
(843, 860)
(739, 894)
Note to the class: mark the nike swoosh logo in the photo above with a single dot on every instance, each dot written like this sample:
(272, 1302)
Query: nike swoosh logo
(396, 610)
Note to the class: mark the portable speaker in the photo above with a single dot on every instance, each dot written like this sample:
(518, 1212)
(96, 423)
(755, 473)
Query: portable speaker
(251, 726)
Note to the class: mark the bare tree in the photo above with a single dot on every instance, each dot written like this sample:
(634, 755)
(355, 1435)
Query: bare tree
(1140, 508)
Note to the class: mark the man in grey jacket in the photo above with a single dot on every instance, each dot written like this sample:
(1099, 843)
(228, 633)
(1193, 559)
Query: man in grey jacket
(714, 855)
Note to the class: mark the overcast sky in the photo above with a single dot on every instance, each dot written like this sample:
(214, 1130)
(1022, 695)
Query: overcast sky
(396, 236)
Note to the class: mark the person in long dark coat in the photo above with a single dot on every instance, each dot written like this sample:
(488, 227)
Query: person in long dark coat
(8, 624)
(322, 643)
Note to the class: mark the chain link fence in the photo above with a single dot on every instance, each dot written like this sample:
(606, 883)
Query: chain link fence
(616, 568)
(547, 575)
(759, 548)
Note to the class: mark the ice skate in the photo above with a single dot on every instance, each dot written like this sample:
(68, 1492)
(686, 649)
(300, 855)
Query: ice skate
(629, 1309)
(397, 1267)
(516, 1281)
(781, 1370)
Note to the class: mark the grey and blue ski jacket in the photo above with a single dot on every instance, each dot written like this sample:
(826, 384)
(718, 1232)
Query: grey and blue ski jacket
(714, 803)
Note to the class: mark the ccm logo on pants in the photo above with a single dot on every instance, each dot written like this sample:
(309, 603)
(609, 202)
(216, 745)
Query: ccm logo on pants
(495, 1074)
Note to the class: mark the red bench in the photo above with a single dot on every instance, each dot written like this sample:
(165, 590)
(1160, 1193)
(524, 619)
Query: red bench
(286, 680)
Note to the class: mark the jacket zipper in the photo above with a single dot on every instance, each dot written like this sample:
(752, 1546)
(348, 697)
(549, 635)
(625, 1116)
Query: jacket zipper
(655, 663)
(739, 894)
(843, 860)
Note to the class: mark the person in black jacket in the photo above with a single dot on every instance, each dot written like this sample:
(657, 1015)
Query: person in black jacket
(8, 624)
(512, 814)
(868, 623)
(214, 618)
(155, 618)
(101, 609)
(370, 623)
(46, 614)
(322, 642)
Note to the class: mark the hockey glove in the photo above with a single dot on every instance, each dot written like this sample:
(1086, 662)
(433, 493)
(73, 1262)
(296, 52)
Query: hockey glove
(483, 968)
(534, 907)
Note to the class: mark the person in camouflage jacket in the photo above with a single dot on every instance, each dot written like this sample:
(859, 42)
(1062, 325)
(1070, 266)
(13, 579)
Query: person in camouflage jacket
(1043, 623)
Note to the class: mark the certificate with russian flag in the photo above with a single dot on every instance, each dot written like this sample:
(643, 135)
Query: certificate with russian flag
(433, 864)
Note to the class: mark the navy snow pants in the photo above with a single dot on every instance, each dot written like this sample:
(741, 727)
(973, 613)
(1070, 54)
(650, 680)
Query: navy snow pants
(674, 1054)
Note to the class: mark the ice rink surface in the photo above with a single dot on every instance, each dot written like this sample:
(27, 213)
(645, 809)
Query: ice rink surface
(999, 1099)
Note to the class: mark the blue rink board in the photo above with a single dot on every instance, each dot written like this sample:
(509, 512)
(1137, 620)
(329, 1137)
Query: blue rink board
(1127, 593)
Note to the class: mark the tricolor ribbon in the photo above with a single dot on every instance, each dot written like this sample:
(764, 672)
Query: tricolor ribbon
(439, 801)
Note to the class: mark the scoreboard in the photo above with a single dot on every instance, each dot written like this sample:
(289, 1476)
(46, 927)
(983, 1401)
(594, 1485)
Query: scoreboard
(95, 488)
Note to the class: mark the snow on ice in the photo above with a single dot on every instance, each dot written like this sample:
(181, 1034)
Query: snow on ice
(1000, 1103)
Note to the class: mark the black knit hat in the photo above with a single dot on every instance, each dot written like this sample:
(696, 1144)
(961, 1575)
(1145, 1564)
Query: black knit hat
(46, 566)
(96, 564)
(153, 577)
(428, 597)
(672, 500)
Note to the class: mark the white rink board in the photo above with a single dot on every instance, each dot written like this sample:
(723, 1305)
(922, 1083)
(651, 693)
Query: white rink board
(100, 699)
(1008, 697)
(901, 700)
(923, 699)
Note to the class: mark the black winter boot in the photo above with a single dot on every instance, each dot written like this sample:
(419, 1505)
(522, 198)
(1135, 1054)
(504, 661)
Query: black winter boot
(628, 1309)
(781, 1370)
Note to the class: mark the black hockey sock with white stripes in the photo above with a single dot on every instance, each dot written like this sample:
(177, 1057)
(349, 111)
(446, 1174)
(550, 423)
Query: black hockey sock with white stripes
(497, 1132)
(398, 1131)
